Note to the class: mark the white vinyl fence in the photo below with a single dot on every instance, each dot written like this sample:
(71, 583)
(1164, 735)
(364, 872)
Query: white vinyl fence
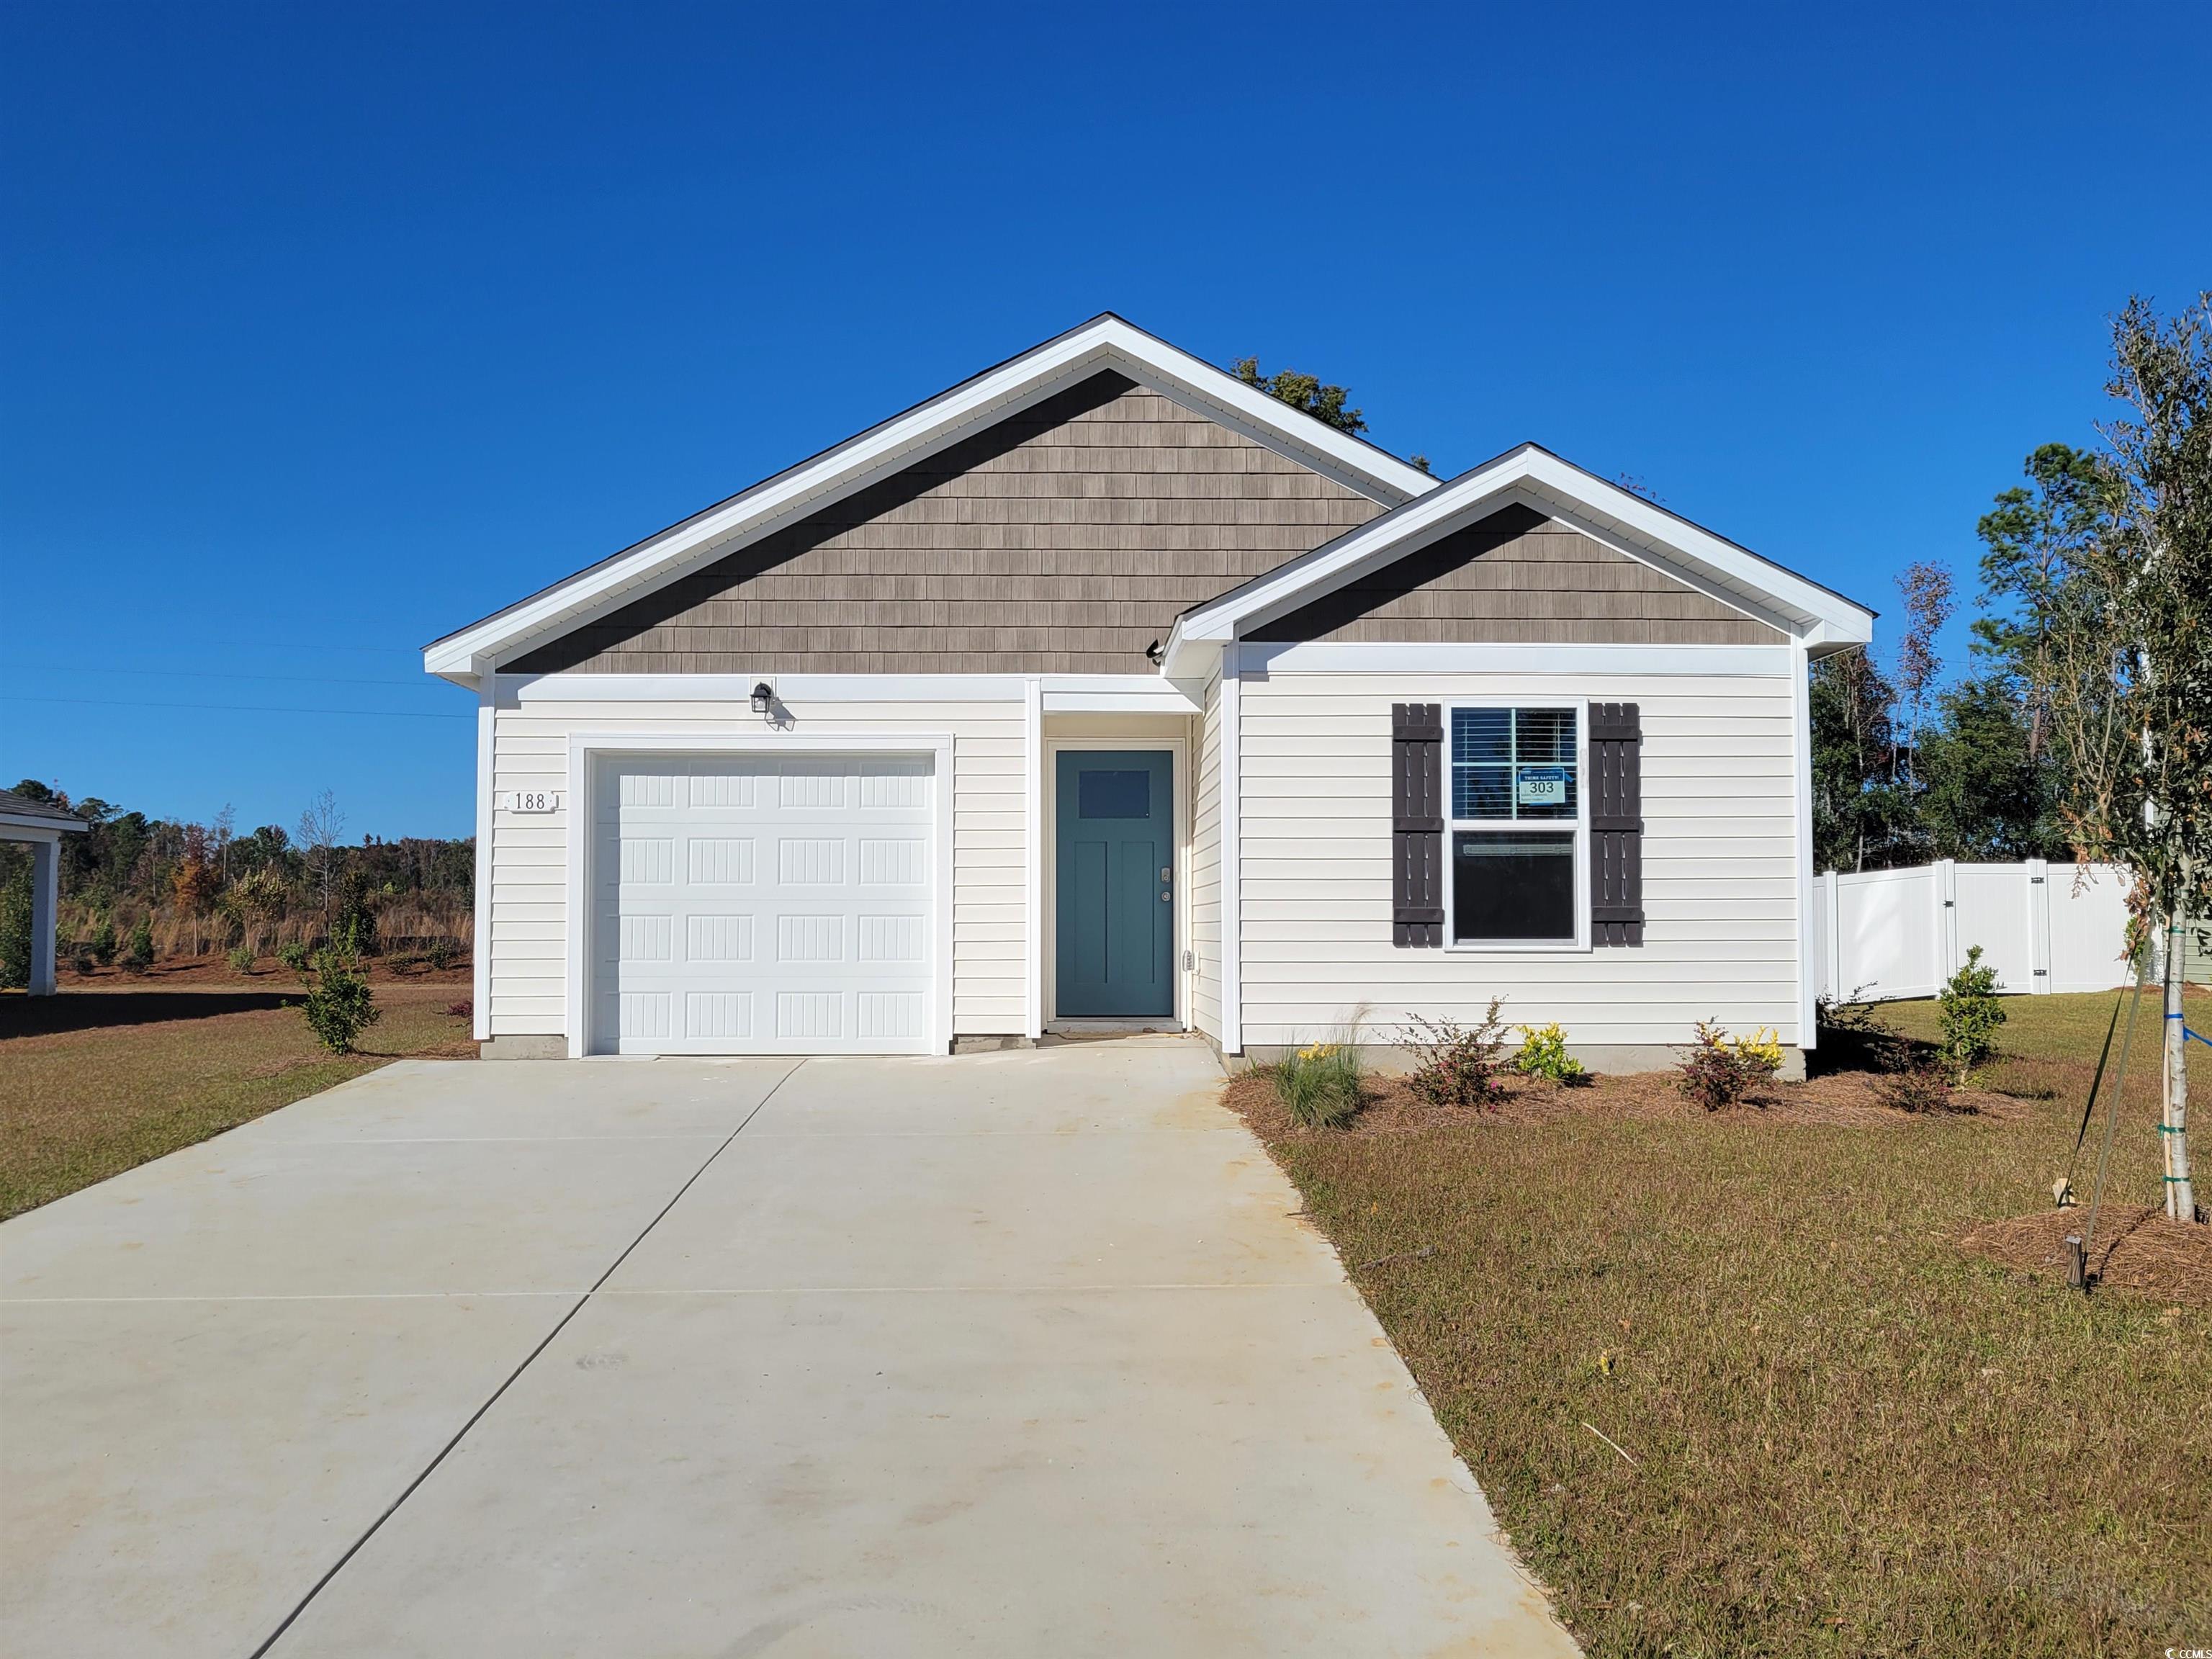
(1890, 933)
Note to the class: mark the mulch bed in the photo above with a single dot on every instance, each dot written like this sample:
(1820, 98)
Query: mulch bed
(1388, 1107)
(2137, 1251)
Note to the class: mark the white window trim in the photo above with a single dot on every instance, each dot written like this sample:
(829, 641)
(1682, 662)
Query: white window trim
(1580, 944)
(588, 749)
(1180, 818)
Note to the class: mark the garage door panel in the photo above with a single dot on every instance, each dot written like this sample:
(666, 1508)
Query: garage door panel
(752, 904)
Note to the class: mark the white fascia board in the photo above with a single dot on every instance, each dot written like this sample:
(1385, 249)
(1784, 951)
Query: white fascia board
(515, 689)
(1619, 518)
(1362, 657)
(30, 830)
(1106, 343)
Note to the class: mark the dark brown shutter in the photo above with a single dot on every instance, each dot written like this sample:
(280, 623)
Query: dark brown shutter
(1417, 823)
(1616, 740)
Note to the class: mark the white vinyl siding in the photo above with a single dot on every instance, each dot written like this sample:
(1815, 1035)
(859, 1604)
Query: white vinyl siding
(1720, 877)
(528, 944)
(1205, 869)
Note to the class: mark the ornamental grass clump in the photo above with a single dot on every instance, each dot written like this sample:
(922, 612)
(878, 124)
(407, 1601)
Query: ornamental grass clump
(1457, 1065)
(1319, 1083)
(1723, 1071)
(1544, 1053)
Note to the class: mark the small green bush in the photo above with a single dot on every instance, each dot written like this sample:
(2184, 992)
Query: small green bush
(293, 955)
(1456, 1065)
(138, 954)
(1544, 1053)
(439, 955)
(15, 929)
(103, 942)
(1319, 1083)
(240, 958)
(340, 1006)
(1721, 1069)
(1969, 1012)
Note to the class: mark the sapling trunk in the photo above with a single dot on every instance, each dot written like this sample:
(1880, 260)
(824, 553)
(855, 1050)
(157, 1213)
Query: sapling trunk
(2173, 1121)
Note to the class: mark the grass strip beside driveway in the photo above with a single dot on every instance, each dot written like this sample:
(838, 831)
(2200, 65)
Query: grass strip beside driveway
(81, 1103)
(1848, 1436)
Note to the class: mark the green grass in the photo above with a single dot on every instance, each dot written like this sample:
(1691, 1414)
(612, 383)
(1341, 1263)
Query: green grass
(1850, 1437)
(78, 1105)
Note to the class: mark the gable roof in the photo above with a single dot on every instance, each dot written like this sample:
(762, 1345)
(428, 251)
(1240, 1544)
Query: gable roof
(1530, 474)
(1107, 342)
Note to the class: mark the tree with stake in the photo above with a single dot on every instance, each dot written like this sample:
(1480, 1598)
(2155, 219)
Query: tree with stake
(2129, 671)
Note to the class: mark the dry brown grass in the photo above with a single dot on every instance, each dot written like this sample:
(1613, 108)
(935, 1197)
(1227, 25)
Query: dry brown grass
(115, 1071)
(1850, 1436)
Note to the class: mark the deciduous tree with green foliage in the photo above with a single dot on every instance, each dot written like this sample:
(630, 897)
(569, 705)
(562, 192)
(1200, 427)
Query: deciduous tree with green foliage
(2126, 671)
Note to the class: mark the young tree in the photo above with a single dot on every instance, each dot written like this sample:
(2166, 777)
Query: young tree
(2130, 686)
(1926, 587)
(1984, 794)
(320, 826)
(1304, 392)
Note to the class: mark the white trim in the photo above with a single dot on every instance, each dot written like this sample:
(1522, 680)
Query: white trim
(1033, 763)
(480, 954)
(1156, 698)
(1350, 657)
(1106, 342)
(1232, 851)
(1623, 519)
(1580, 943)
(790, 688)
(1181, 821)
(586, 748)
(1801, 806)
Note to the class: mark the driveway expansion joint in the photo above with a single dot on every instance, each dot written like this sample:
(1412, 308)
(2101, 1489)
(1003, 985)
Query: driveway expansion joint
(477, 1416)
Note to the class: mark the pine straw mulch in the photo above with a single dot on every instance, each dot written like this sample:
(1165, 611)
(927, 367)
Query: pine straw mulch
(1388, 1107)
(2137, 1250)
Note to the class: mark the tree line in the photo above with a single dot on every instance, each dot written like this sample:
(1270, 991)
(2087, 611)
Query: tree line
(134, 886)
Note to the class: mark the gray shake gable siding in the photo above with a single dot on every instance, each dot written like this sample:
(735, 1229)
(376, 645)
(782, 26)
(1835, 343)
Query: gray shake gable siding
(1064, 539)
(1518, 576)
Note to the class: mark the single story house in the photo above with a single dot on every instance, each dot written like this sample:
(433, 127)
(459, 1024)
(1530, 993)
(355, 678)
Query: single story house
(1104, 688)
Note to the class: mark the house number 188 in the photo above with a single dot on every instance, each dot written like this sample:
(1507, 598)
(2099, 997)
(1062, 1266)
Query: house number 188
(533, 800)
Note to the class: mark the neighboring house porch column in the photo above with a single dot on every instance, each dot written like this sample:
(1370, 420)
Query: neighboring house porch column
(46, 903)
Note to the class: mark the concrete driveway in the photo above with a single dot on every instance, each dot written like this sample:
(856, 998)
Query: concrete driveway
(1015, 1354)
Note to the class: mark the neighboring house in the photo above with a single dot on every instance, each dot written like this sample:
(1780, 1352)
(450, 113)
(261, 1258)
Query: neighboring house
(42, 825)
(1103, 687)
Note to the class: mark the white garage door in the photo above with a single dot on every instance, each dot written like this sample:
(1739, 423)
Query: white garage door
(763, 905)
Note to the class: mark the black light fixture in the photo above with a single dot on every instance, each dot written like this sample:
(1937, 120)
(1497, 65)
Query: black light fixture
(763, 697)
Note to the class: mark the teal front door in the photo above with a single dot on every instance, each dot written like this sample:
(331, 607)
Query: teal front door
(1115, 916)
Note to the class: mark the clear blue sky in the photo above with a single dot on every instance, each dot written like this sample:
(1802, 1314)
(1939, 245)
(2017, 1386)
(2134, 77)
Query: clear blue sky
(328, 329)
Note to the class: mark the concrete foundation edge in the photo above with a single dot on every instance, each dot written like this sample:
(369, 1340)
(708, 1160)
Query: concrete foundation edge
(523, 1048)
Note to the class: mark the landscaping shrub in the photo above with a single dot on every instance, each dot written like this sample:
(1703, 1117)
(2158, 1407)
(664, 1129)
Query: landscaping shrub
(1319, 1083)
(439, 955)
(138, 954)
(1721, 1069)
(1458, 1066)
(1854, 1037)
(82, 961)
(1544, 1053)
(1921, 1085)
(293, 955)
(240, 958)
(1968, 1012)
(339, 1005)
(465, 1009)
(103, 942)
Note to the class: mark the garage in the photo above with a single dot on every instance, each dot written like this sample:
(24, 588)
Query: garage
(764, 903)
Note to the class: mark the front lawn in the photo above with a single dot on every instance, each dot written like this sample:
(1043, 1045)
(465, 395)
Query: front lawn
(115, 1071)
(1838, 1431)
